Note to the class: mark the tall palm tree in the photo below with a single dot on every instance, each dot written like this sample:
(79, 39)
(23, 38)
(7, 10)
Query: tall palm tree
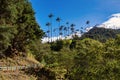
(76, 31)
(54, 30)
(51, 16)
(60, 30)
(67, 23)
(81, 31)
(65, 31)
(88, 23)
(58, 19)
(81, 27)
(72, 28)
(48, 31)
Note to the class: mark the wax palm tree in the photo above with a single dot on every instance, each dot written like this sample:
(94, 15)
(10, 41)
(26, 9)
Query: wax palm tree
(72, 28)
(76, 31)
(88, 23)
(48, 31)
(81, 31)
(54, 30)
(60, 30)
(51, 16)
(81, 27)
(58, 19)
(65, 31)
(68, 28)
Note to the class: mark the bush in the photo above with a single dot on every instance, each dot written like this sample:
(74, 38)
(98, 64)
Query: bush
(57, 46)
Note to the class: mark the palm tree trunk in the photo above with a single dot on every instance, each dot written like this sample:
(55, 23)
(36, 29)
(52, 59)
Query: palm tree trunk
(51, 29)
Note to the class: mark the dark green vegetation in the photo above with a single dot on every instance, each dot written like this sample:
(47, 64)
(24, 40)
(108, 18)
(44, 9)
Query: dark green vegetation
(101, 34)
(18, 27)
(82, 58)
(87, 59)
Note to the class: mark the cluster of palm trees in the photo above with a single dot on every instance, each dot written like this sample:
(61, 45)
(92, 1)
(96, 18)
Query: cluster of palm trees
(61, 30)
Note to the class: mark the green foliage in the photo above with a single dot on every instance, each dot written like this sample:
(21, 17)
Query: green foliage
(60, 44)
(73, 44)
(67, 43)
(59, 61)
(117, 40)
(101, 34)
(28, 29)
(96, 61)
(20, 16)
(42, 73)
(88, 60)
(39, 50)
(6, 35)
(79, 59)
(57, 46)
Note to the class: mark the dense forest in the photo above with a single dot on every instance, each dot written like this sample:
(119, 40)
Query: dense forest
(94, 56)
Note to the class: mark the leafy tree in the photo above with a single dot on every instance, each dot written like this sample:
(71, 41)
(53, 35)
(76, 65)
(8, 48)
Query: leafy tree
(95, 60)
(20, 16)
(57, 46)
(6, 35)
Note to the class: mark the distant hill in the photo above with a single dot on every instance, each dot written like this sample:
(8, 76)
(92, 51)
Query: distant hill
(101, 34)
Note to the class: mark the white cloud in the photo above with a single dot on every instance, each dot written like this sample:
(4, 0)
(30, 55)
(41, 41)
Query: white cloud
(46, 39)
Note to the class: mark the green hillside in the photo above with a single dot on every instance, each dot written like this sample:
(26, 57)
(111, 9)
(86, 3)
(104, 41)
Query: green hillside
(101, 34)
(94, 56)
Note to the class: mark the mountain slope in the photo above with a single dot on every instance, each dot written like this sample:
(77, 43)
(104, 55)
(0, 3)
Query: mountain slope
(101, 34)
(112, 23)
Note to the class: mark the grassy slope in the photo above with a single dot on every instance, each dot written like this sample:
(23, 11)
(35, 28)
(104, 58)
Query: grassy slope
(17, 75)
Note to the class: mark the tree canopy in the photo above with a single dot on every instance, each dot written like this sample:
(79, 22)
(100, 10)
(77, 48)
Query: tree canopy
(18, 27)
